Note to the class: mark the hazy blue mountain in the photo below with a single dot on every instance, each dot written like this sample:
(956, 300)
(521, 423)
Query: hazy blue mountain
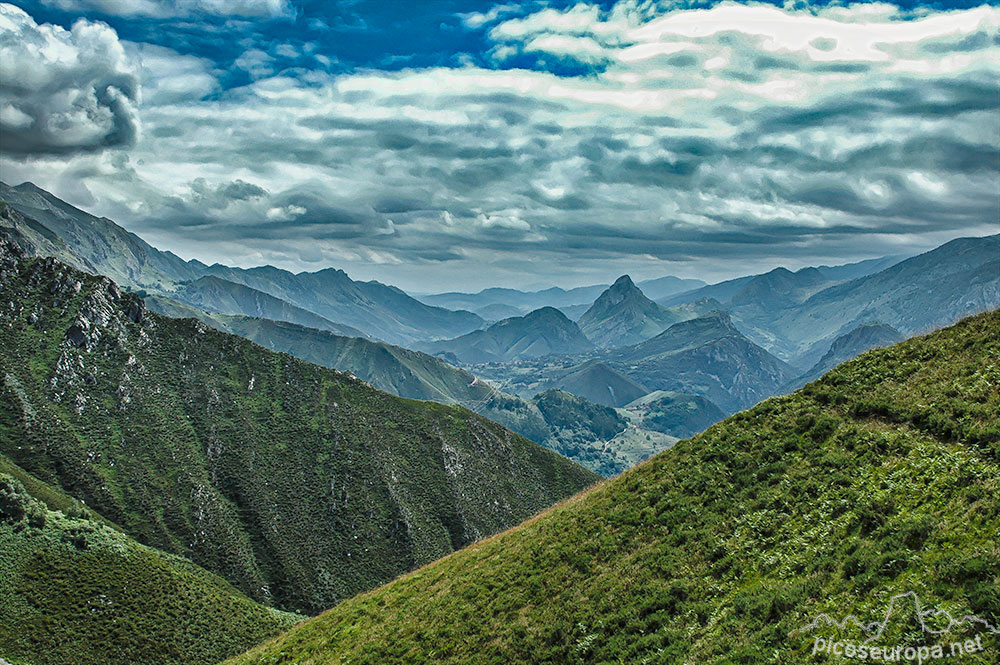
(706, 356)
(865, 337)
(663, 287)
(522, 301)
(498, 312)
(849, 271)
(214, 294)
(721, 291)
(107, 248)
(382, 311)
(542, 332)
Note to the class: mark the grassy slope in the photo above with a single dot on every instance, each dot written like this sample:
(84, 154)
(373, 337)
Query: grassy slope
(300, 485)
(73, 589)
(879, 479)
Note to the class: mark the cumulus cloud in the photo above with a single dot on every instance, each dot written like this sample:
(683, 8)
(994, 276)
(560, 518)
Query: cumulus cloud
(64, 91)
(695, 133)
(175, 8)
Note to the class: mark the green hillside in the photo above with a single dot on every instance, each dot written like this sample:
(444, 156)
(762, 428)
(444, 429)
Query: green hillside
(75, 589)
(300, 485)
(880, 479)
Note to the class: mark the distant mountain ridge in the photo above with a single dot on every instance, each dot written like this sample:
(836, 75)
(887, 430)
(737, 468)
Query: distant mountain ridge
(525, 301)
(542, 332)
(100, 246)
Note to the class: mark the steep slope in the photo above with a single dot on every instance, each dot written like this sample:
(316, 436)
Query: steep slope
(382, 311)
(107, 248)
(706, 356)
(214, 294)
(75, 589)
(540, 333)
(622, 315)
(863, 338)
(676, 414)
(779, 289)
(879, 480)
(300, 485)
(598, 382)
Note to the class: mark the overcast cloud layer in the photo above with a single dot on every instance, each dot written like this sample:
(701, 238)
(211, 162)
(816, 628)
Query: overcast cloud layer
(579, 143)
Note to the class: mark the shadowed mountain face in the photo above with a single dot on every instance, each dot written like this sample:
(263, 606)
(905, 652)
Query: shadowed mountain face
(542, 332)
(382, 311)
(706, 356)
(622, 315)
(877, 479)
(300, 485)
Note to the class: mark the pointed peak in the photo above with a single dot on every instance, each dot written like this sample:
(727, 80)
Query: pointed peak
(623, 282)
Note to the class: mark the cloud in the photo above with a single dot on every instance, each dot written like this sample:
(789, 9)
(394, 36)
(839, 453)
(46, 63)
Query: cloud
(175, 8)
(64, 91)
(833, 132)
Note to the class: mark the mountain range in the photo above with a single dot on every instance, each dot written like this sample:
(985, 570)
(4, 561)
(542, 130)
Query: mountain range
(878, 477)
(623, 315)
(99, 246)
(519, 302)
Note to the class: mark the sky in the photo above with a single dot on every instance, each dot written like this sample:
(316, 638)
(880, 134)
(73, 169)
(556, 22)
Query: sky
(454, 145)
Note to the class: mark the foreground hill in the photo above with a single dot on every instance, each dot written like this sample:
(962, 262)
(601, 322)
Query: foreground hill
(542, 332)
(877, 480)
(300, 485)
(75, 589)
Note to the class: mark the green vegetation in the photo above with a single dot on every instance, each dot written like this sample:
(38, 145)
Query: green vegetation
(298, 484)
(879, 479)
(676, 414)
(74, 590)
